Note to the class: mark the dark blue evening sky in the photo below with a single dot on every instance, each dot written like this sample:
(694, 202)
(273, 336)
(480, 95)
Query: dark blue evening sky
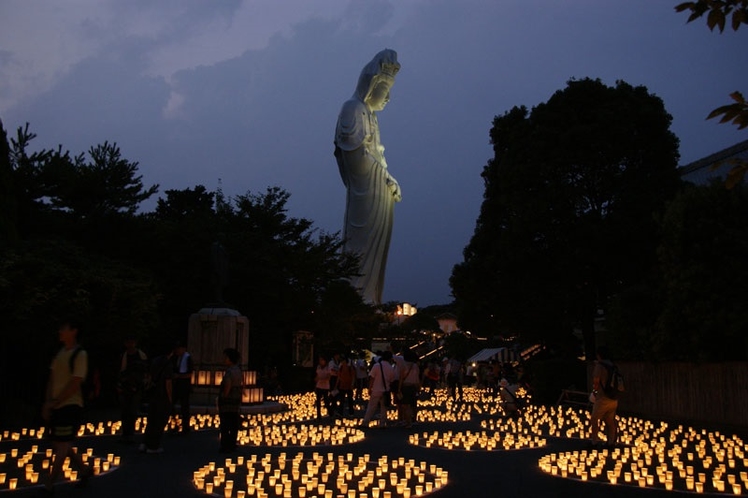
(248, 92)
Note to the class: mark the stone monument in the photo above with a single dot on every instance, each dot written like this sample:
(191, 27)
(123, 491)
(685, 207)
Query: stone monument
(371, 191)
(210, 331)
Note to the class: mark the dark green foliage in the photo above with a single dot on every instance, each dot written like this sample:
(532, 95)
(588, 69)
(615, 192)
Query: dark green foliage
(718, 12)
(55, 181)
(567, 218)
(705, 270)
(630, 321)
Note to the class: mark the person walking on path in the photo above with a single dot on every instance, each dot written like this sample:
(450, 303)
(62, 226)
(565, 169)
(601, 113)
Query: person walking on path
(604, 407)
(133, 373)
(508, 396)
(230, 400)
(159, 403)
(322, 386)
(454, 378)
(398, 363)
(334, 393)
(346, 379)
(380, 381)
(409, 385)
(431, 377)
(183, 368)
(362, 377)
(63, 406)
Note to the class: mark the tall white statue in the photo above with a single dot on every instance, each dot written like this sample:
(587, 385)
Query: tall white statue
(371, 190)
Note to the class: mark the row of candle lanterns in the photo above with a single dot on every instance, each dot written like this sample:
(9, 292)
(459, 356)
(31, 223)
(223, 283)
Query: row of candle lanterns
(301, 408)
(480, 441)
(320, 476)
(569, 423)
(302, 435)
(19, 470)
(214, 377)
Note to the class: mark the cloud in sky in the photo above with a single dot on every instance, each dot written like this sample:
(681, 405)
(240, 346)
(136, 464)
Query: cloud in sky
(248, 92)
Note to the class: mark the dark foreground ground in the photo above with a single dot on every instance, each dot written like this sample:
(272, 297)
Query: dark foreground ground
(472, 474)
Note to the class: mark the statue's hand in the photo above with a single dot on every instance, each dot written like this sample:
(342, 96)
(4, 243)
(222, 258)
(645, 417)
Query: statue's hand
(395, 189)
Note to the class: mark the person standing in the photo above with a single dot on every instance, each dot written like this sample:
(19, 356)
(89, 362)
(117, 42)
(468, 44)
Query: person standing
(380, 381)
(159, 403)
(346, 379)
(431, 377)
(362, 377)
(322, 386)
(398, 363)
(409, 385)
(604, 407)
(63, 406)
(230, 400)
(454, 378)
(183, 368)
(334, 394)
(508, 396)
(133, 374)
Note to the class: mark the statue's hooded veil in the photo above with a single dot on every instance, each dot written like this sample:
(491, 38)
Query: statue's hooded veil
(371, 73)
(352, 128)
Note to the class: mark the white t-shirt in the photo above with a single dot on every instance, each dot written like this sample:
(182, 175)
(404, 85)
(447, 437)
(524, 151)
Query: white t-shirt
(412, 373)
(379, 371)
(334, 367)
(61, 374)
(361, 371)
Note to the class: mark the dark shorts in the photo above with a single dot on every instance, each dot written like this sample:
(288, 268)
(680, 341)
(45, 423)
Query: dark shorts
(394, 387)
(409, 394)
(65, 422)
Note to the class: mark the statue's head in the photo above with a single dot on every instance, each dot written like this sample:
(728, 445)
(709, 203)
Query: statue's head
(376, 79)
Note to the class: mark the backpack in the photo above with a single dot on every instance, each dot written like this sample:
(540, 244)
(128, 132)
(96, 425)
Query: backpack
(614, 385)
(88, 390)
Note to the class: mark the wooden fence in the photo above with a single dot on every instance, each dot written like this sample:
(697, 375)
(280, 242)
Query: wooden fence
(710, 393)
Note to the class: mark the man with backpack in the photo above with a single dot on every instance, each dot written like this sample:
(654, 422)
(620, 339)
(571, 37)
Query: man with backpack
(605, 389)
(63, 406)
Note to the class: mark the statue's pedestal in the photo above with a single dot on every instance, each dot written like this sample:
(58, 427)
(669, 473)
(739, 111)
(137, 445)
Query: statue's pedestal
(209, 332)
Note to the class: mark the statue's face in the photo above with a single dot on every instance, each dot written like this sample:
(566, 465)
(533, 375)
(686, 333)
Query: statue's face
(379, 96)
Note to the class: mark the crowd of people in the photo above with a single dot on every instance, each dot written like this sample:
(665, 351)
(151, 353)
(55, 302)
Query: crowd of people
(399, 381)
